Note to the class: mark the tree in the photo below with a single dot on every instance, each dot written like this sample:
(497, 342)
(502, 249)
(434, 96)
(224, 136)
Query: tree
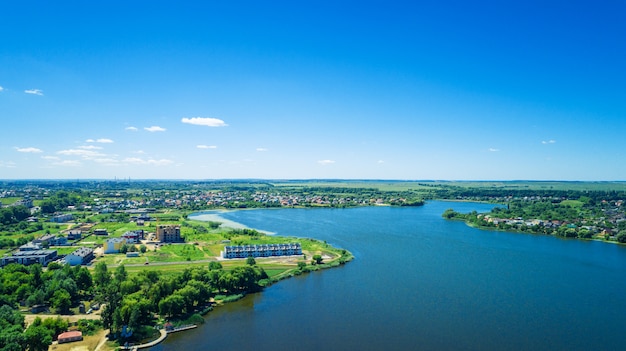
(214, 265)
(143, 248)
(83, 279)
(37, 338)
(317, 259)
(120, 273)
(61, 300)
(101, 275)
(250, 261)
(621, 236)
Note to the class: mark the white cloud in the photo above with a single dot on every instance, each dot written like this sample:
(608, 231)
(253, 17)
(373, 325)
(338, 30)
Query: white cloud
(381, 161)
(107, 161)
(80, 152)
(1, 88)
(151, 162)
(67, 163)
(90, 147)
(101, 141)
(204, 121)
(325, 162)
(140, 152)
(51, 158)
(132, 129)
(549, 142)
(155, 129)
(9, 164)
(261, 149)
(206, 146)
(493, 149)
(28, 149)
(34, 92)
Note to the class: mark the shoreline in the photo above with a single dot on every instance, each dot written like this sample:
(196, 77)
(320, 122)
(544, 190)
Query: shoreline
(215, 217)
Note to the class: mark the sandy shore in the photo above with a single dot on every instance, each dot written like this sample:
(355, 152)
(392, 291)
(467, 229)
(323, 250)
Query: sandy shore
(215, 217)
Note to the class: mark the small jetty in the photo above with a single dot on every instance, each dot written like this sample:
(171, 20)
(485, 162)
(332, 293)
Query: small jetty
(180, 328)
(167, 330)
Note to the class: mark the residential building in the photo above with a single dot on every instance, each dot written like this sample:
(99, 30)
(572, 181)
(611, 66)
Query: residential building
(42, 257)
(51, 240)
(113, 245)
(30, 246)
(80, 256)
(100, 231)
(70, 336)
(168, 234)
(74, 234)
(62, 218)
(264, 250)
(133, 237)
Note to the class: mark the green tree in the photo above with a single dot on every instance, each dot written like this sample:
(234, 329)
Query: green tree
(250, 261)
(37, 338)
(101, 275)
(621, 236)
(120, 273)
(317, 259)
(214, 265)
(61, 300)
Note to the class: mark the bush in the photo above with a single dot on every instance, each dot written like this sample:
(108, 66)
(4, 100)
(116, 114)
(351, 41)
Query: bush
(621, 236)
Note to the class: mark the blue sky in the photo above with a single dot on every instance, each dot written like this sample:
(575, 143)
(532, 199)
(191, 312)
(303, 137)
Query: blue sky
(452, 90)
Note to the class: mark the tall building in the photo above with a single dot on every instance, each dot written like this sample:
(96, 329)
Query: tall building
(168, 234)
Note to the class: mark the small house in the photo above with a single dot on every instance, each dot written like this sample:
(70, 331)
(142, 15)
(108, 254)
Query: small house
(70, 336)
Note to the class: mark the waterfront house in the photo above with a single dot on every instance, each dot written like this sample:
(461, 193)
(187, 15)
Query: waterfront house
(264, 250)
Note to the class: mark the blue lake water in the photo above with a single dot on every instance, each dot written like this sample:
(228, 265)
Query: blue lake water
(422, 283)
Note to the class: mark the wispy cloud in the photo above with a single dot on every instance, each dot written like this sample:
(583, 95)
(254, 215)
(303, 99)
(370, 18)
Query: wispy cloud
(549, 142)
(381, 161)
(325, 162)
(206, 146)
(1, 88)
(9, 164)
(67, 163)
(107, 161)
(491, 149)
(101, 141)
(261, 149)
(50, 158)
(88, 154)
(204, 121)
(28, 149)
(152, 162)
(34, 92)
(132, 129)
(155, 129)
(90, 147)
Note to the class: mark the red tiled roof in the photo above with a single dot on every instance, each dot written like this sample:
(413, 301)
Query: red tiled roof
(70, 334)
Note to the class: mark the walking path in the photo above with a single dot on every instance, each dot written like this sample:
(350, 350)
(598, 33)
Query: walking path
(147, 345)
